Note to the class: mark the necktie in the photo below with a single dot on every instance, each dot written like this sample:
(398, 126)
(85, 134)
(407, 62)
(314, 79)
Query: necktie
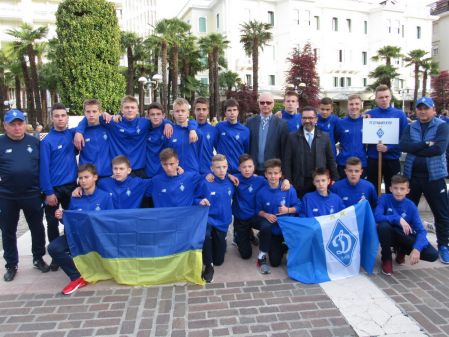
(265, 122)
(309, 138)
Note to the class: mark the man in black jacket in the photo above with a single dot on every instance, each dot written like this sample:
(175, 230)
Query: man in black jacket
(268, 134)
(307, 149)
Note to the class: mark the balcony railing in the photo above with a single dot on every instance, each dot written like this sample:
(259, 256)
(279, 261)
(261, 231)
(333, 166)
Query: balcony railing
(439, 7)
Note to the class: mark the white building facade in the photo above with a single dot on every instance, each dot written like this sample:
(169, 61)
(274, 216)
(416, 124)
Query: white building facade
(344, 34)
(440, 40)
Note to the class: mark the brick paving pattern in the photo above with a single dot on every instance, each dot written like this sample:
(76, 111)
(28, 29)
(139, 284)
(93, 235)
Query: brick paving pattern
(422, 294)
(277, 308)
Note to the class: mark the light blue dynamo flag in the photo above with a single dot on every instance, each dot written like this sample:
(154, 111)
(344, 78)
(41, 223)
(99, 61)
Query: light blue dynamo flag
(331, 247)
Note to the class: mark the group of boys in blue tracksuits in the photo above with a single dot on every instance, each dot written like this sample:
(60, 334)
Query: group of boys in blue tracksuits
(172, 164)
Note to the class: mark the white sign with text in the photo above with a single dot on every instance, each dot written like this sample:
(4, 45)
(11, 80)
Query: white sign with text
(385, 130)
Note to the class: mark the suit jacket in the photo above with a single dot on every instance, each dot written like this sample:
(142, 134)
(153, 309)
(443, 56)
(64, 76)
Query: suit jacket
(276, 138)
(297, 153)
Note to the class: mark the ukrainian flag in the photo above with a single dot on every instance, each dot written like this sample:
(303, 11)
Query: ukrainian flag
(138, 246)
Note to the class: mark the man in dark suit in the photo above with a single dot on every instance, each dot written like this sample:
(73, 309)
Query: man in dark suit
(307, 149)
(268, 134)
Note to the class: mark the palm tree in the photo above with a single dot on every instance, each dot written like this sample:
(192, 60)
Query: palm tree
(415, 59)
(387, 53)
(129, 42)
(383, 75)
(430, 67)
(27, 36)
(214, 45)
(228, 80)
(170, 32)
(255, 35)
(3, 88)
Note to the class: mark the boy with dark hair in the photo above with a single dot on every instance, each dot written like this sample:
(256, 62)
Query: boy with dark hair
(92, 199)
(321, 201)
(353, 189)
(218, 195)
(96, 140)
(58, 169)
(201, 110)
(327, 121)
(399, 225)
(232, 136)
(348, 132)
(273, 202)
(290, 112)
(155, 139)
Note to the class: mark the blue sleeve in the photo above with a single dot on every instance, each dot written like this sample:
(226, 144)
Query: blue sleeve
(259, 202)
(421, 234)
(407, 145)
(246, 142)
(109, 204)
(201, 192)
(441, 142)
(82, 125)
(303, 208)
(373, 197)
(192, 125)
(294, 200)
(341, 205)
(403, 124)
(380, 216)
(148, 187)
(44, 168)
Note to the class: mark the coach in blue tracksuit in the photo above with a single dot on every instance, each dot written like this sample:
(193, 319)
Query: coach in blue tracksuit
(232, 136)
(390, 152)
(19, 190)
(426, 141)
(58, 168)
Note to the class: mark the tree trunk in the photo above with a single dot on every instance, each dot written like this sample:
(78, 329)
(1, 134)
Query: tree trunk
(256, 66)
(164, 76)
(43, 93)
(18, 91)
(28, 88)
(211, 85)
(169, 87)
(424, 83)
(2, 90)
(216, 83)
(130, 72)
(155, 67)
(175, 71)
(35, 85)
(141, 99)
(415, 91)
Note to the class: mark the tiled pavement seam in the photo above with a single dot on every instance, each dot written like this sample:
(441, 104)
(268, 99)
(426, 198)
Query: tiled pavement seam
(277, 308)
(422, 294)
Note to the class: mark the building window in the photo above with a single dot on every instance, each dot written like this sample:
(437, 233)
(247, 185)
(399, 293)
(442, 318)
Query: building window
(248, 80)
(348, 81)
(218, 21)
(418, 32)
(398, 26)
(342, 82)
(403, 31)
(296, 16)
(202, 24)
(435, 51)
(271, 18)
(364, 58)
(335, 82)
(389, 26)
(348, 22)
(307, 16)
(204, 80)
(335, 24)
(340, 55)
(316, 53)
(271, 80)
(365, 27)
(317, 22)
(365, 82)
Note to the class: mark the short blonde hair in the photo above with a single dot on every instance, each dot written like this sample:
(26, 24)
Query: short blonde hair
(181, 101)
(218, 157)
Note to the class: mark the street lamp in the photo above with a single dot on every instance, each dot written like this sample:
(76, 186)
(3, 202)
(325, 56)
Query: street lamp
(151, 84)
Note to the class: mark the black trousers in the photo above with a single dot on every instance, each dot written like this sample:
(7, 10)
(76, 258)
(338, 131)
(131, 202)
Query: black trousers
(390, 167)
(214, 247)
(435, 193)
(393, 236)
(63, 193)
(242, 235)
(33, 211)
(271, 243)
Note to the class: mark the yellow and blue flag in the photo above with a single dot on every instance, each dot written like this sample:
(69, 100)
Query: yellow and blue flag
(138, 246)
(331, 247)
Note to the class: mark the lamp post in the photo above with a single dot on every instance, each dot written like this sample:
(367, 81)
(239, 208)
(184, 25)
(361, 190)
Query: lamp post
(150, 84)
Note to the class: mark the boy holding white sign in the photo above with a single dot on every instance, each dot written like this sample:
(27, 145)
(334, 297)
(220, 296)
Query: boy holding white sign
(390, 152)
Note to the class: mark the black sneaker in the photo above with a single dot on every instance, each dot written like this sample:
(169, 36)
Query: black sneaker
(208, 273)
(41, 265)
(54, 266)
(10, 274)
(263, 265)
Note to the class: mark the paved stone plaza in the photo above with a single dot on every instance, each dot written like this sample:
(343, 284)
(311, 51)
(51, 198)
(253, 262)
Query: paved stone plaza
(241, 302)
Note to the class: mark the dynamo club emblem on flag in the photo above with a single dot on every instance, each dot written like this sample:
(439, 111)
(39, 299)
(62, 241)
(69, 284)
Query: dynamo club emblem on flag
(342, 243)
